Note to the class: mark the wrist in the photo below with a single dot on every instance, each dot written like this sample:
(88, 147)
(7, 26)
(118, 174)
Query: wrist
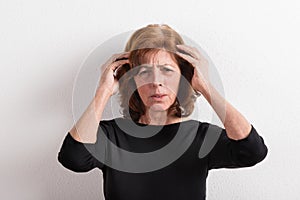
(207, 91)
(103, 91)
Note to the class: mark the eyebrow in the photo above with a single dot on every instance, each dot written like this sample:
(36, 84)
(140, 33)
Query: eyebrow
(147, 65)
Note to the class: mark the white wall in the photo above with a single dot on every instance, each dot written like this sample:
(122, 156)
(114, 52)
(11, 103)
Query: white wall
(253, 44)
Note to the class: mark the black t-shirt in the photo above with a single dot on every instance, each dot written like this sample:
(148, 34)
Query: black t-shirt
(178, 172)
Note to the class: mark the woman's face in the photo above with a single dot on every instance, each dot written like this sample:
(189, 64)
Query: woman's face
(160, 77)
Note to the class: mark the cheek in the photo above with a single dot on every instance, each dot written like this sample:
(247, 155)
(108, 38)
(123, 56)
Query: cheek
(143, 92)
(173, 85)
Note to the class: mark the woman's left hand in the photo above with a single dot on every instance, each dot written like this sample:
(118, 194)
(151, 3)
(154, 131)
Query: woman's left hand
(200, 80)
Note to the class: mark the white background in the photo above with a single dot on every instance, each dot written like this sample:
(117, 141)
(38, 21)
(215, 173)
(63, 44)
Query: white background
(254, 45)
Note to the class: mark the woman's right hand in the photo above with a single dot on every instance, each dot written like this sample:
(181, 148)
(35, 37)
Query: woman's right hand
(108, 81)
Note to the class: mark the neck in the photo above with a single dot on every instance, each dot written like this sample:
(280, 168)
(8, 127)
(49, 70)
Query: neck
(157, 118)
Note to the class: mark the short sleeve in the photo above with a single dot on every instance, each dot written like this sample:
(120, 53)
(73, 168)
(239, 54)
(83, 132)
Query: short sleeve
(230, 153)
(83, 157)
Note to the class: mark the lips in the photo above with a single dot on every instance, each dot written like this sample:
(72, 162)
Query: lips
(158, 95)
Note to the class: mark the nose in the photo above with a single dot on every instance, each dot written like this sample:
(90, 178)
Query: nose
(157, 77)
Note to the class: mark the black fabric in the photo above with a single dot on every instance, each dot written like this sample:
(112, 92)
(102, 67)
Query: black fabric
(185, 178)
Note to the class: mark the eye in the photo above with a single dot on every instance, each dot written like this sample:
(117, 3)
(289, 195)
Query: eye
(143, 72)
(167, 69)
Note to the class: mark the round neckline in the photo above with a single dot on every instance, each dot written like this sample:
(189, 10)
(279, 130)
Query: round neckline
(156, 125)
(128, 125)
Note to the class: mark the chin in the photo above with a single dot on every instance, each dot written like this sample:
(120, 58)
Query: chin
(158, 107)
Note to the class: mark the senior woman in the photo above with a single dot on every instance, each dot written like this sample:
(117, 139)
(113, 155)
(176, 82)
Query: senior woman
(159, 79)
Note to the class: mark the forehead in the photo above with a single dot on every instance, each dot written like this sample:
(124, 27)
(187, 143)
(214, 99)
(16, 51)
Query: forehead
(160, 58)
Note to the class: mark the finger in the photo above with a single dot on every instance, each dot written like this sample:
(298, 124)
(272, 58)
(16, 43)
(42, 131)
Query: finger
(186, 57)
(114, 65)
(121, 58)
(124, 54)
(115, 57)
(119, 63)
(190, 50)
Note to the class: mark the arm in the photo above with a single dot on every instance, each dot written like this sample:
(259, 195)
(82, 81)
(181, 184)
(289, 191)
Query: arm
(79, 147)
(230, 153)
(237, 127)
(236, 148)
(239, 145)
(81, 143)
(85, 130)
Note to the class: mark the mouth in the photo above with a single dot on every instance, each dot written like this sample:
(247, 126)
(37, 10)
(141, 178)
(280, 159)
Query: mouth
(158, 96)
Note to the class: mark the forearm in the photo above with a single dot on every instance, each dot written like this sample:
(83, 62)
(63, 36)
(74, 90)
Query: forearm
(86, 128)
(236, 125)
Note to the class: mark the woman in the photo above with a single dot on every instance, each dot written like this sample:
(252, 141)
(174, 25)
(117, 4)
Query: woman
(159, 78)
